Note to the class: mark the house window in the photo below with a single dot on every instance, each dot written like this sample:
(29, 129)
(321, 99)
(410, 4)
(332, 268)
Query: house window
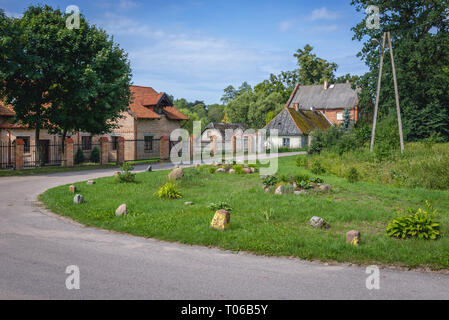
(286, 142)
(340, 116)
(114, 143)
(26, 148)
(148, 143)
(86, 142)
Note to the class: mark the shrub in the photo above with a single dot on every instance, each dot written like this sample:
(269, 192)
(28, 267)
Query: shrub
(317, 180)
(305, 184)
(169, 191)
(238, 169)
(95, 155)
(270, 181)
(212, 170)
(317, 167)
(220, 206)
(79, 157)
(125, 175)
(352, 175)
(301, 177)
(284, 178)
(419, 225)
(301, 161)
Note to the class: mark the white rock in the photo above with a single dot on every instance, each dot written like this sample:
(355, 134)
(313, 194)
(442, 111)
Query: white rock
(78, 199)
(121, 211)
(318, 222)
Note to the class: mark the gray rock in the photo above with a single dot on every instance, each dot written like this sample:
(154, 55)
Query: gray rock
(231, 171)
(318, 222)
(176, 174)
(189, 203)
(353, 237)
(91, 182)
(121, 211)
(247, 170)
(149, 168)
(78, 199)
(267, 189)
(325, 187)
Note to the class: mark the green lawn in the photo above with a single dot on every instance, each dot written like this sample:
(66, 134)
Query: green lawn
(361, 206)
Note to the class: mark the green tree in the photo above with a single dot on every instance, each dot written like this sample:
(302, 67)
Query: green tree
(215, 112)
(420, 38)
(229, 94)
(237, 109)
(313, 70)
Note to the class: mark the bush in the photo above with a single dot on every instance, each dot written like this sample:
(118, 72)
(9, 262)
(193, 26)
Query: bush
(419, 225)
(317, 167)
(79, 157)
(220, 206)
(238, 169)
(169, 191)
(95, 155)
(352, 175)
(301, 161)
(125, 175)
(270, 181)
(212, 170)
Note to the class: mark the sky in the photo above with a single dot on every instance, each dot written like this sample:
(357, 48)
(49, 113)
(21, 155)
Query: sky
(194, 49)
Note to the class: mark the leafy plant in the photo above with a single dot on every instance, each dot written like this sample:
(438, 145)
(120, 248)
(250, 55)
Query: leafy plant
(270, 181)
(301, 161)
(352, 175)
(169, 191)
(304, 184)
(238, 168)
(269, 214)
(79, 157)
(220, 206)
(317, 180)
(284, 178)
(212, 170)
(419, 225)
(125, 175)
(95, 155)
(317, 167)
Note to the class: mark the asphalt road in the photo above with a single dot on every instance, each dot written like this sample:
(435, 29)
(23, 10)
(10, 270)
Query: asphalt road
(36, 247)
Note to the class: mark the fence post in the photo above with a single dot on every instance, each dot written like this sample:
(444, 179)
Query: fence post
(19, 150)
(104, 154)
(165, 148)
(191, 140)
(120, 151)
(213, 141)
(251, 144)
(68, 152)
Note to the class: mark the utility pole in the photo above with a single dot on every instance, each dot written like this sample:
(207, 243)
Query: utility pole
(396, 92)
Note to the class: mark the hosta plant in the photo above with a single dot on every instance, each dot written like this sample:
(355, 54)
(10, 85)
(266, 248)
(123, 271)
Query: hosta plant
(169, 191)
(419, 224)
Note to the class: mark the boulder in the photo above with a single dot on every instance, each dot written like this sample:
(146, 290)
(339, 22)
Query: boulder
(247, 170)
(189, 203)
(353, 237)
(231, 171)
(318, 222)
(176, 174)
(78, 199)
(91, 182)
(279, 190)
(253, 170)
(221, 220)
(72, 188)
(325, 187)
(149, 168)
(267, 189)
(121, 211)
(221, 170)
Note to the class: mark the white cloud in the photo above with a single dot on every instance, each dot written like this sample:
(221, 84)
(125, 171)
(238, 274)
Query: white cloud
(13, 14)
(323, 14)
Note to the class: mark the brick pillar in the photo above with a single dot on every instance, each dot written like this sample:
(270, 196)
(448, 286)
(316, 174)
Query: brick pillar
(120, 151)
(104, 152)
(165, 148)
(213, 141)
(68, 153)
(19, 150)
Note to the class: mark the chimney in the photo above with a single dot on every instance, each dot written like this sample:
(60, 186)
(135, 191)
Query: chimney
(296, 106)
(326, 84)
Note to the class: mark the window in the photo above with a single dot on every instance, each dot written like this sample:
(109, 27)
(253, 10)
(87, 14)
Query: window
(340, 116)
(286, 142)
(148, 143)
(158, 110)
(114, 143)
(26, 148)
(86, 142)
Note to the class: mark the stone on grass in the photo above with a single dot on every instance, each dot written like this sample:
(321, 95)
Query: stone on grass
(91, 182)
(279, 190)
(300, 192)
(247, 170)
(252, 170)
(221, 170)
(72, 188)
(263, 177)
(149, 168)
(78, 199)
(353, 237)
(176, 174)
(121, 211)
(267, 189)
(325, 187)
(231, 171)
(116, 174)
(189, 203)
(221, 220)
(318, 222)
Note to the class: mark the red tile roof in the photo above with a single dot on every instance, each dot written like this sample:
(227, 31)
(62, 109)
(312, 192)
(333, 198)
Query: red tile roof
(174, 114)
(6, 111)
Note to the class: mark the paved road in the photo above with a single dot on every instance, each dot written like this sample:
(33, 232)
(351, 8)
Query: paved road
(36, 247)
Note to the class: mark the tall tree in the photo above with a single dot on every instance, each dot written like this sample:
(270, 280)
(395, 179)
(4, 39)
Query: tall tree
(313, 70)
(420, 38)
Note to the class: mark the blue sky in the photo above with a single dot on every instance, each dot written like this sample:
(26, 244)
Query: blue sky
(196, 48)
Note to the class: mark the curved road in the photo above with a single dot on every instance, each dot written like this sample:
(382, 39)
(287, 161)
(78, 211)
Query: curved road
(37, 246)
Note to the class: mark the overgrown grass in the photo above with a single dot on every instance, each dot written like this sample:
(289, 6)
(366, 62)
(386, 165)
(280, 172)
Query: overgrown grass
(421, 166)
(264, 223)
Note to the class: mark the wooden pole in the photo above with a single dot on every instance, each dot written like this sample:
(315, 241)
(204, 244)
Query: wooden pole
(396, 92)
(379, 82)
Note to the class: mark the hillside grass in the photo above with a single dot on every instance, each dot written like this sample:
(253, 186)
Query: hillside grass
(362, 206)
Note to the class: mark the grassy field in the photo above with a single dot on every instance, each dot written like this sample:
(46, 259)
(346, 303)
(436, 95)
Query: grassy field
(361, 206)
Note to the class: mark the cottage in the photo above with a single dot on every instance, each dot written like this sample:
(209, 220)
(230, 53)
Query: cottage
(332, 100)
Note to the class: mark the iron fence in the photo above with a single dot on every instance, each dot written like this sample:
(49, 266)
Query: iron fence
(142, 149)
(7, 153)
(49, 155)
